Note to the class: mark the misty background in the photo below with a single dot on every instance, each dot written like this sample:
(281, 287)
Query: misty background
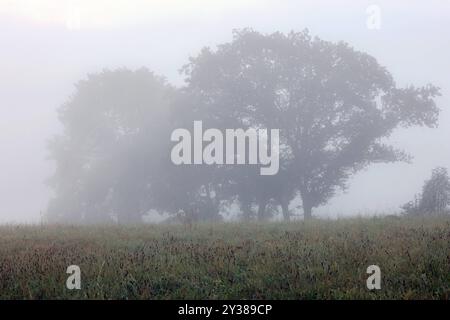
(46, 46)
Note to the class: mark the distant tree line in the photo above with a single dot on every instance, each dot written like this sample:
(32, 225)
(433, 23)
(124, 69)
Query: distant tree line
(335, 108)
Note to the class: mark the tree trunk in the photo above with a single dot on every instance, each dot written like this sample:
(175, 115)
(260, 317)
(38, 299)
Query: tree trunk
(307, 207)
(246, 210)
(307, 212)
(262, 210)
(285, 209)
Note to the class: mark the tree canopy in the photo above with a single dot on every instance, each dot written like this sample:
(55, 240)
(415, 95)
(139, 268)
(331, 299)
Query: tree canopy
(335, 108)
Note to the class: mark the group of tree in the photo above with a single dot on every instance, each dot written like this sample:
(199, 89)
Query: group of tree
(435, 195)
(335, 107)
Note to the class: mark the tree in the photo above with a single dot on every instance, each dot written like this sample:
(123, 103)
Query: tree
(435, 197)
(113, 159)
(110, 148)
(436, 192)
(335, 108)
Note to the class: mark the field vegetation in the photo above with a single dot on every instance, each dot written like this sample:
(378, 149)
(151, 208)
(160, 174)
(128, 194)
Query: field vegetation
(317, 259)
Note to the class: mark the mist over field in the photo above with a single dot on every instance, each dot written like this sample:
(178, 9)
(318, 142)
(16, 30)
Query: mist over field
(47, 46)
(224, 149)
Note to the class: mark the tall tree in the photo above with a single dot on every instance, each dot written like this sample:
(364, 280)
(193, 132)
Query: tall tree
(113, 159)
(111, 147)
(335, 108)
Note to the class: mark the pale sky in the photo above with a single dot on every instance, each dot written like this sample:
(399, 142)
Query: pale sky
(46, 46)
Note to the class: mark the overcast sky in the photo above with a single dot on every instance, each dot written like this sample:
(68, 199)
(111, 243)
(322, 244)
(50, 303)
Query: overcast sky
(46, 46)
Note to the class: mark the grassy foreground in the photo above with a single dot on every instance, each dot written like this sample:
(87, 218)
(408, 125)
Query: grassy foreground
(313, 260)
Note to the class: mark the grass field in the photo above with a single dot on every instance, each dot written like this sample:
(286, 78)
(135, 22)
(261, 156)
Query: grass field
(300, 260)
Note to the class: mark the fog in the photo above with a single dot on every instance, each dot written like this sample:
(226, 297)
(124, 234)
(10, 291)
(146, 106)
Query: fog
(47, 46)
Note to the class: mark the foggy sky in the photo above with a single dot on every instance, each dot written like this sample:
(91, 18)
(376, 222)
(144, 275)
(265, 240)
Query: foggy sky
(46, 46)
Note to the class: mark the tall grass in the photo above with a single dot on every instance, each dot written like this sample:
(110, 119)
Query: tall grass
(300, 260)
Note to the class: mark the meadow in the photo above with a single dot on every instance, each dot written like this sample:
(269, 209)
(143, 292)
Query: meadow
(318, 259)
